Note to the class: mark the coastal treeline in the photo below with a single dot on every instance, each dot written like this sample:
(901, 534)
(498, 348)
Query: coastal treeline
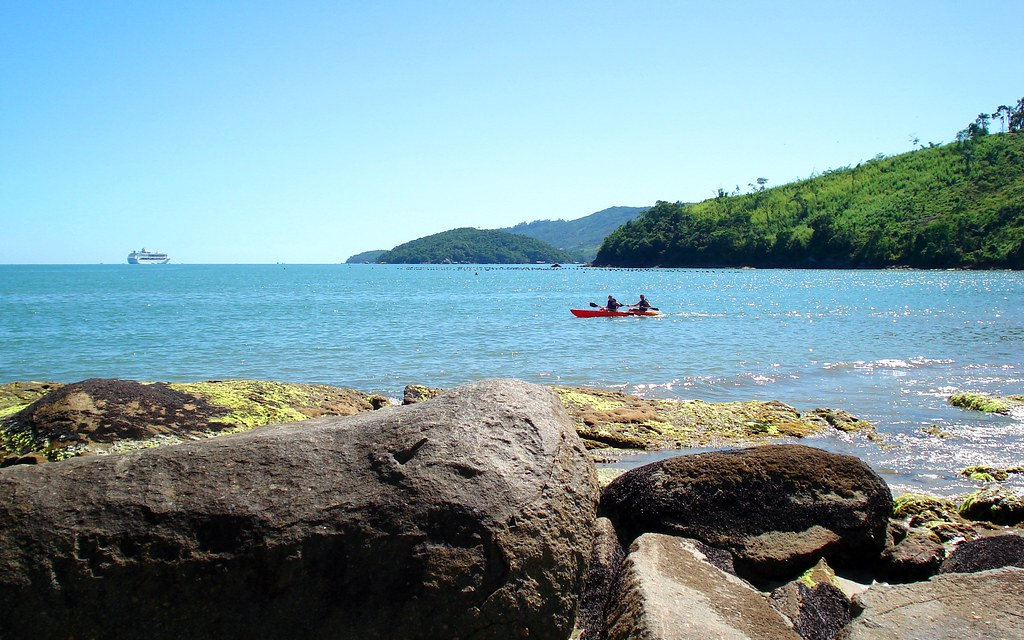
(955, 205)
(474, 246)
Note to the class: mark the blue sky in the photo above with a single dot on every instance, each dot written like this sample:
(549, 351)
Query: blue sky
(305, 132)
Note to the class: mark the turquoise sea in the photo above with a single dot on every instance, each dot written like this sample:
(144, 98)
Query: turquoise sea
(888, 346)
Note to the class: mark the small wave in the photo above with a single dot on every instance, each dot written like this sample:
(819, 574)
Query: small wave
(887, 363)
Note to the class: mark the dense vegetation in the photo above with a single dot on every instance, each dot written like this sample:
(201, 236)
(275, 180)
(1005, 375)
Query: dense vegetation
(474, 246)
(366, 257)
(580, 237)
(954, 205)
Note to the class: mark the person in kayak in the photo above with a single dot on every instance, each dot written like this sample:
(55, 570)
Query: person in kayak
(613, 304)
(643, 305)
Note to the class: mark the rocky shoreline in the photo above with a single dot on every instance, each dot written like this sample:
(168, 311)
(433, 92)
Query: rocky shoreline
(472, 513)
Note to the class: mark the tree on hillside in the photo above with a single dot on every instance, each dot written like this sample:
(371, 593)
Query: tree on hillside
(982, 122)
(1017, 117)
(1003, 113)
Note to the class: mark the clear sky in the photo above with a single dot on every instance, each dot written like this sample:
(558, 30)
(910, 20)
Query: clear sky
(305, 132)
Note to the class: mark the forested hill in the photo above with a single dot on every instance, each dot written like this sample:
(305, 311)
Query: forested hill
(366, 257)
(580, 237)
(955, 205)
(474, 246)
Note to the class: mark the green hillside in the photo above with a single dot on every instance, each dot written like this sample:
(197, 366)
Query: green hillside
(366, 257)
(955, 205)
(580, 237)
(474, 246)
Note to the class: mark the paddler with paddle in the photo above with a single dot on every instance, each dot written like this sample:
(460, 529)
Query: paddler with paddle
(643, 305)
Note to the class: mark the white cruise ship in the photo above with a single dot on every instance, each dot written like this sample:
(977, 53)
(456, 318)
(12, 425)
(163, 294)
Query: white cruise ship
(148, 257)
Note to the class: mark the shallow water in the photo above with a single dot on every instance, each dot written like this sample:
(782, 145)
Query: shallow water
(888, 346)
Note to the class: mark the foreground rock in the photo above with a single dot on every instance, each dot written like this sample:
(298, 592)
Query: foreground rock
(469, 516)
(668, 591)
(951, 606)
(776, 508)
(111, 416)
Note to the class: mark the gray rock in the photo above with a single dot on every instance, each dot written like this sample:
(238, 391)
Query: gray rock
(668, 591)
(776, 508)
(982, 554)
(469, 516)
(954, 606)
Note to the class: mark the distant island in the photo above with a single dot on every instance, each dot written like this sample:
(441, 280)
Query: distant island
(959, 205)
(474, 246)
(579, 238)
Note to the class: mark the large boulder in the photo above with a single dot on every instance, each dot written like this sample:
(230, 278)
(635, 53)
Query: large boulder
(469, 516)
(776, 508)
(954, 606)
(669, 591)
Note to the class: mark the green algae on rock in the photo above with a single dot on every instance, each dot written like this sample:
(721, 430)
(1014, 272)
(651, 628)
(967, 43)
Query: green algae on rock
(995, 504)
(948, 518)
(612, 419)
(986, 403)
(986, 473)
(113, 416)
(15, 396)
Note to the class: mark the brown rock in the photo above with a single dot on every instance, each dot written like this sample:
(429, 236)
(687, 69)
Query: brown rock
(470, 516)
(776, 508)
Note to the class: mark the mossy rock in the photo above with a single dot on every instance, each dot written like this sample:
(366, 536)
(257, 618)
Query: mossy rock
(843, 420)
(985, 473)
(997, 505)
(940, 516)
(986, 403)
(15, 396)
(415, 393)
(112, 416)
(615, 419)
(934, 431)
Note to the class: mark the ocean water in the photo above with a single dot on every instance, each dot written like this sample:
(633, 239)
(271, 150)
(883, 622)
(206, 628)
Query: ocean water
(887, 346)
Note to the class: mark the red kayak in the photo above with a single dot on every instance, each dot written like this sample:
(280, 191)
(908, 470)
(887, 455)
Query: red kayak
(601, 312)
